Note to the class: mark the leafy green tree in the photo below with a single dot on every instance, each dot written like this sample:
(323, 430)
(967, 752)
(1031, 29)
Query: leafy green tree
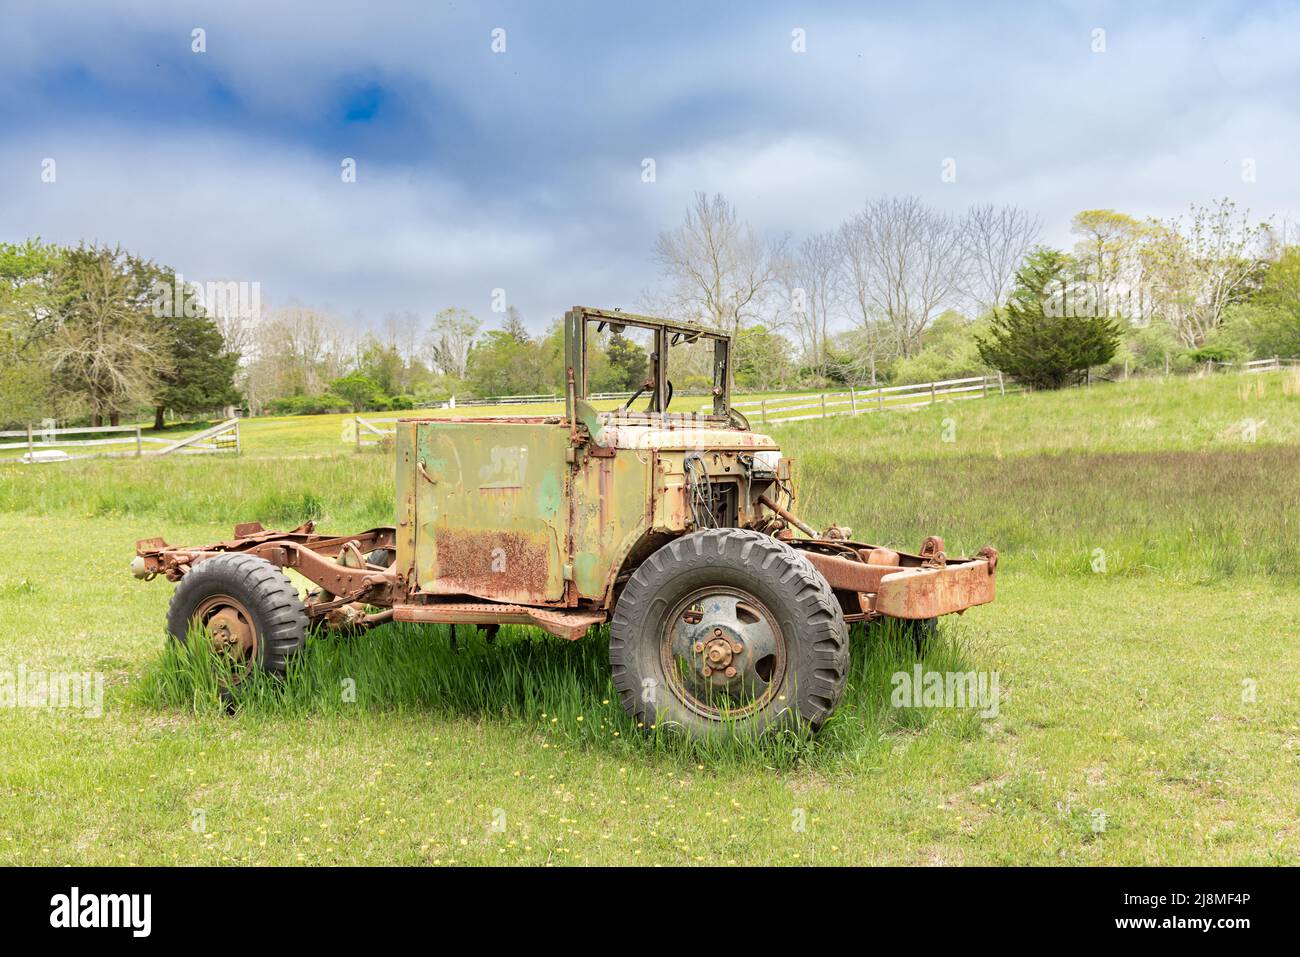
(503, 364)
(1269, 325)
(27, 317)
(358, 390)
(1037, 343)
(950, 351)
(628, 363)
(383, 364)
(763, 358)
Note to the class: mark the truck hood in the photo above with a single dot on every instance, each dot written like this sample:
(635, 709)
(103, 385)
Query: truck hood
(633, 436)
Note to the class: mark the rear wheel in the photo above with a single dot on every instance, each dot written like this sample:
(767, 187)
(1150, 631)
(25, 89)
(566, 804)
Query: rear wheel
(245, 606)
(728, 628)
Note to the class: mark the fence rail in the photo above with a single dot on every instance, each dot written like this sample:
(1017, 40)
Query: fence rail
(1275, 364)
(48, 445)
(859, 401)
(364, 429)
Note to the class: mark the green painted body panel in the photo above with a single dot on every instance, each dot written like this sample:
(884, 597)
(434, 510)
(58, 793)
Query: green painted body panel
(611, 511)
(491, 508)
(508, 509)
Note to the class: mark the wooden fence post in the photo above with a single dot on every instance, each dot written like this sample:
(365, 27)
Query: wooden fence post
(356, 427)
(763, 402)
(823, 405)
(238, 447)
(985, 383)
(31, 449)
(1002, 386)
(933, 397)
(880, 400)
(139, 443)
(853, 401)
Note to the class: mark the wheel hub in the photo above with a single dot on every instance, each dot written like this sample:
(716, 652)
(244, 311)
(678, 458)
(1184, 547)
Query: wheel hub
(230, 627)
(723, 652)
(718, 652)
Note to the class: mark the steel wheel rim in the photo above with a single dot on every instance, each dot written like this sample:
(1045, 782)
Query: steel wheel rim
(229, 626)
(698, 648)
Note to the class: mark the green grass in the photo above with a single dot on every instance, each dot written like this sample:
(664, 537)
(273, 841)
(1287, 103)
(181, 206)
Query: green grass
(1123, 694)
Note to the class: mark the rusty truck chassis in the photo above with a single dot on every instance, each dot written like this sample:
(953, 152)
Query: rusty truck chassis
(870, 581)
(355, 592)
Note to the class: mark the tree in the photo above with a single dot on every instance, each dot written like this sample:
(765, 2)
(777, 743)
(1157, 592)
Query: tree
(107, 355)
(360, 391)
(1269, 325)
(503, 363)
(296, 351)
(450, 340)
(1197, 268)
(719, 270)
(200, 370)
(1105, 248)
(994, 242)
(762, 359)
(27, 318)
(628, 363)
(814, 288)
(903, 264)
(1043, 346)
(200, 374)
(950, 352)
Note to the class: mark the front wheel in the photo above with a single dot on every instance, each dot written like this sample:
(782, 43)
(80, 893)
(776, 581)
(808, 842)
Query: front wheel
(728, 628)
(245, 606)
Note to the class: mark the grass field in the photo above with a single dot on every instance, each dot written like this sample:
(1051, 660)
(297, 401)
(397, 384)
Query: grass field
(1143, 635)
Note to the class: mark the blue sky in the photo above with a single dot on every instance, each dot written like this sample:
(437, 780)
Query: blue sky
(521, 170)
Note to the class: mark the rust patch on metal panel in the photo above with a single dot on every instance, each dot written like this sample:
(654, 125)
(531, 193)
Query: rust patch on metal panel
(492, 563)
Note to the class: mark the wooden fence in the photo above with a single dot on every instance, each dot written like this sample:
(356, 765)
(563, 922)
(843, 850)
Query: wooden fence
(1274, 364)
(368, 432)
(48, 445)
(797, 408)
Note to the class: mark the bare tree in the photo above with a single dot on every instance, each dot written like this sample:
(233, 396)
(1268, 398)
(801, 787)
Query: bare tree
(994, 241)
(450, 340)
(298, 351)
(812, 280)
(902, 263)
(719, 269)
(1195, 268)
(859, 352)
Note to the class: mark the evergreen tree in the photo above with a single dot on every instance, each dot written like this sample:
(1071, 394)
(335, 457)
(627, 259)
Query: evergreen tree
(1035, 339)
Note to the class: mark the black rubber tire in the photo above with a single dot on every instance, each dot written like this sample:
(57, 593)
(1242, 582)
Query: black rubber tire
(279, 619)
(793, 591)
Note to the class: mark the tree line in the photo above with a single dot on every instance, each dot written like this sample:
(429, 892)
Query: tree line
(898, 292)
(82, 337)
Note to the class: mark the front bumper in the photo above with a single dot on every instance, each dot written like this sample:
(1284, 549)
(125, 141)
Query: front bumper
(903, 586)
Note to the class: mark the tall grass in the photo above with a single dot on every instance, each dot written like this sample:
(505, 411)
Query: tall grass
(344, 490)
(560, 690)
(1192, 516)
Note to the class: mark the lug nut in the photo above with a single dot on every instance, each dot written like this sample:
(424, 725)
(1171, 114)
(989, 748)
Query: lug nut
(731, 672)
(707, 671)
(699, 647)
(737, 648)
(717, 632)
